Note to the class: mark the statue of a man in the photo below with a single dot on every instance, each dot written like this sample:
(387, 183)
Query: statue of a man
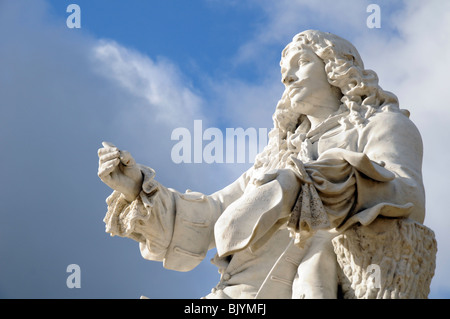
(341, 153)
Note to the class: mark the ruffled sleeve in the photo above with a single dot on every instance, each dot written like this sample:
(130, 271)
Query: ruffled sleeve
(172, 227)
(149, 219)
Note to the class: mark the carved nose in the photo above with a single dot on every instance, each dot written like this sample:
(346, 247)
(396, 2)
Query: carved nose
(288, 79)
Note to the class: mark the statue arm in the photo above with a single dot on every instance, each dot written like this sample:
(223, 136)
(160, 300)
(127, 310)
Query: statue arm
(387, 170)
(394, 143)
(172, 227)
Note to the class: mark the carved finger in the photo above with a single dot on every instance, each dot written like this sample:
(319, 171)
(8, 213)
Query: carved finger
(108, 156)
(126, 158)
(265, 178)
(104, 151)
(107, 148)
(108, 167)
(108, 145)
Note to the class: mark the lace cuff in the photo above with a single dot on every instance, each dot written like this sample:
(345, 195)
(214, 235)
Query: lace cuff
(142, 220)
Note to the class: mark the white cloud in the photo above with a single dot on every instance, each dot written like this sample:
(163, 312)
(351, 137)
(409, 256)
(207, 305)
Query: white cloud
(161, 99)
(285, 18)
(166, 95)
(247, 104)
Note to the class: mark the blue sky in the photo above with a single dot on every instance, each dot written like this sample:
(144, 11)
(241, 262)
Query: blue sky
(134, 72)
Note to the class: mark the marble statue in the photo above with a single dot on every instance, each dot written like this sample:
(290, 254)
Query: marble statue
(342, 168)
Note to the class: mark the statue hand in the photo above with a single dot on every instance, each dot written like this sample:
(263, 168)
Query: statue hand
(287, 178)
(284, 174)
(118, 170)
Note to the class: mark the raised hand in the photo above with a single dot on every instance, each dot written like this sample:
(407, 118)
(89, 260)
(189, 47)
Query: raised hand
(118, 170)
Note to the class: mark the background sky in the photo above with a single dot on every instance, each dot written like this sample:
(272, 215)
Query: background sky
(134, 72)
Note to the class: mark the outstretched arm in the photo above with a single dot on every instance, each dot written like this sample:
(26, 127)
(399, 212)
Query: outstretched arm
(172, 227)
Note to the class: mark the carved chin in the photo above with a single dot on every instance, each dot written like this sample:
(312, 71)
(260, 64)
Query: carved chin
(303, 107)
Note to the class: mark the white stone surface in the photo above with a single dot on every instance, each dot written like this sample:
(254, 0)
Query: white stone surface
(341, 154)
(403, 250)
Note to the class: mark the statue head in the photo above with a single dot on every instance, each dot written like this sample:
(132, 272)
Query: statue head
(351, 90)
(356, 89)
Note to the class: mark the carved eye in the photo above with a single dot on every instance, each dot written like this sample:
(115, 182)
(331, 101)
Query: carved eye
(303, 61)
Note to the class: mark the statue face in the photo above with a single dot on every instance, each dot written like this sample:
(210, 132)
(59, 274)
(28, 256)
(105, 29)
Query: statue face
(306, 83)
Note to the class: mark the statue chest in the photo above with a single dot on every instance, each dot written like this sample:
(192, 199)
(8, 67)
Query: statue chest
(337, 138)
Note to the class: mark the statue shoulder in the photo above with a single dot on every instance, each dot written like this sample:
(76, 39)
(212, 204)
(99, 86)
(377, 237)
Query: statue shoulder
(394, 135)
(392, 123)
